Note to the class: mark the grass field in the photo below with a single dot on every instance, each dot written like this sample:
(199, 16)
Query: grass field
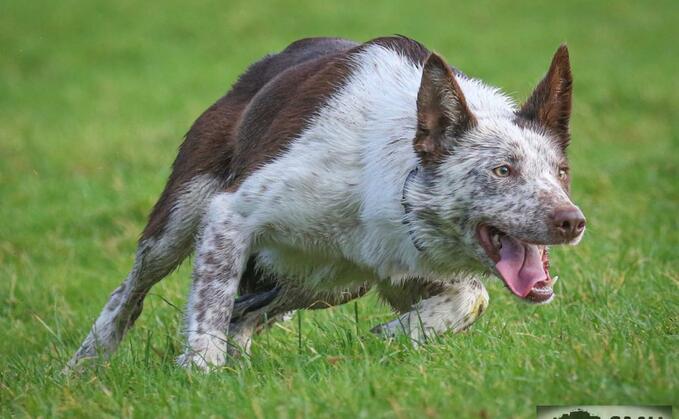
(95, 97)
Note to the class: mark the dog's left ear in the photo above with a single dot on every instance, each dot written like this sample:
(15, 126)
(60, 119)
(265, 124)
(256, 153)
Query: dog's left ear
(550, 103)
(441, 109)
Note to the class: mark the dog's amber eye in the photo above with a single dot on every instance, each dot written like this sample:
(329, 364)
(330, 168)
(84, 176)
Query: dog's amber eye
(563, 172)
(502, 171)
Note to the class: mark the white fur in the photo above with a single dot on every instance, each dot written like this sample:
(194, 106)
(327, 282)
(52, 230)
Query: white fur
(329, 211)
(220, 261)
(455, 309)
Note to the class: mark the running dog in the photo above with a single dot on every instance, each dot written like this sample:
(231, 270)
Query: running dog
(334, 167)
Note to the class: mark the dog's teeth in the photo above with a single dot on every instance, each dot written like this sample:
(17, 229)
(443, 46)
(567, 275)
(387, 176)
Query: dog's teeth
(556, 278)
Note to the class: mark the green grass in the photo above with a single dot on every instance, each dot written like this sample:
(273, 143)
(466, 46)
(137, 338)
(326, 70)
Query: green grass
(95, 97)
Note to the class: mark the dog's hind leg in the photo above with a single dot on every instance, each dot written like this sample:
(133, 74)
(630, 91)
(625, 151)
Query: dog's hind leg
(444, 307)
(221, 259)
(167, 240)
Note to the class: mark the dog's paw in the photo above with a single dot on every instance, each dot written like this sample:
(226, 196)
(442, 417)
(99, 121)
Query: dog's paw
(388, 330)
(204, 352)
(205, 361)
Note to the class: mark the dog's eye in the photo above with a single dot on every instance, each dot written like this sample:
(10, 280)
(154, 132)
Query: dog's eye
(563, 172)
(502, 171)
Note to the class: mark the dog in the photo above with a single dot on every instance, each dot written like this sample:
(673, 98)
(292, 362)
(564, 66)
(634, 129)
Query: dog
(334, 167)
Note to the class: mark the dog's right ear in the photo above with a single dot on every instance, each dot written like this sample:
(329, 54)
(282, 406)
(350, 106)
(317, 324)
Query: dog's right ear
(442, 111)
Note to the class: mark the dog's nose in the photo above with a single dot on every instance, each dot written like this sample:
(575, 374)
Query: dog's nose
(569, 222)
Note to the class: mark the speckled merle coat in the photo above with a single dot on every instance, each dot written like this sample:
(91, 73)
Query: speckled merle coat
(334, 167)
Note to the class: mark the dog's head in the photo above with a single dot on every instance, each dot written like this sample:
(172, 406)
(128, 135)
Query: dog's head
(494, 181)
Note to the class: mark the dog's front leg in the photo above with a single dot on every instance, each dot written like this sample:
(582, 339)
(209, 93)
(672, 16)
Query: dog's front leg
(221, 257)
(454, 309)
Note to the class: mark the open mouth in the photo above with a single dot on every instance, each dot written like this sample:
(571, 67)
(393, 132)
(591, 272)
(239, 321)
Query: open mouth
(524, 267)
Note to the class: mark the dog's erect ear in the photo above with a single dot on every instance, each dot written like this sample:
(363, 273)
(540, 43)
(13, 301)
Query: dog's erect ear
(442, 111)
(550, 103)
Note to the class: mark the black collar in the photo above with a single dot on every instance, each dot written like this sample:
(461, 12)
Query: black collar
(406, 207)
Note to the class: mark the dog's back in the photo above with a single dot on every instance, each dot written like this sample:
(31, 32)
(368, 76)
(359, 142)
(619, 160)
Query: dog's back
(209, 146)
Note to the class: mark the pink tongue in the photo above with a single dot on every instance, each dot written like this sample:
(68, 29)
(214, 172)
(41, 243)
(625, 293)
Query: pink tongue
(520, 266)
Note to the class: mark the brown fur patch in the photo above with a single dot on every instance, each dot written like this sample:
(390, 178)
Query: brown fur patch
(282, 110)
(441, 111)
(210, 146)
(409, 48)
(550, 103)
